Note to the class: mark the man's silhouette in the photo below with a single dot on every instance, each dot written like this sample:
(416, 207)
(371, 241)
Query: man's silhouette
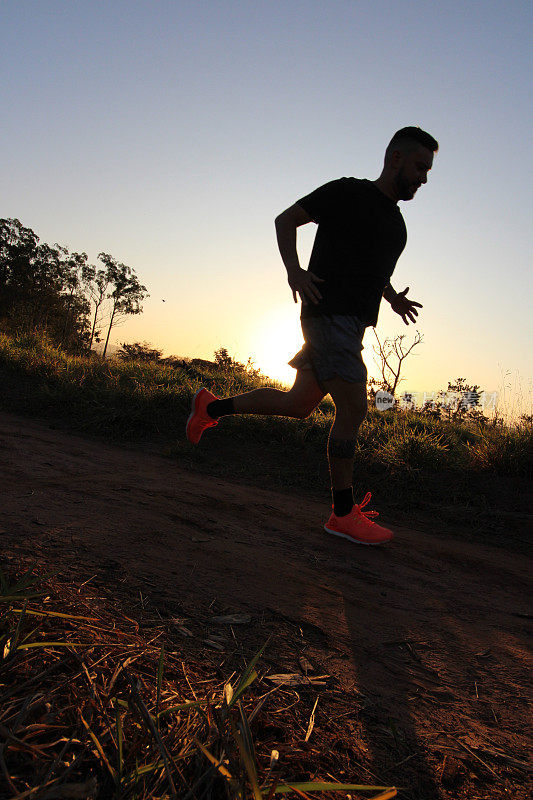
(360, 236)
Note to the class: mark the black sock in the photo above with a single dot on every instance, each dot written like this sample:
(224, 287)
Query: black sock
(342, 501)
(219, 408)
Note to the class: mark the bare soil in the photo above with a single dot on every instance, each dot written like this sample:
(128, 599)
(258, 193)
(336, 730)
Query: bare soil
(429, 634)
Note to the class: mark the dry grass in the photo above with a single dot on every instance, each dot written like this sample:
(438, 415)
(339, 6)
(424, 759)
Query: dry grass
(98, 704)
(132, 400)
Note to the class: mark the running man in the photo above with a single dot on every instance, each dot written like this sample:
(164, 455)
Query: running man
(360, 236)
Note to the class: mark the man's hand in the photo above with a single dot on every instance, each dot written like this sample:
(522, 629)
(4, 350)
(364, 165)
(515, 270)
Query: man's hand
(404, 307)
(303, 283)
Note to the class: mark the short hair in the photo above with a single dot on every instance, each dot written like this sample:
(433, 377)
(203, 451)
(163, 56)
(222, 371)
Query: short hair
(407, 139)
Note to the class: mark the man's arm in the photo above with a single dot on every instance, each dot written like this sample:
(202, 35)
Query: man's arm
(300, 280)
(389, 293)
(401, 304)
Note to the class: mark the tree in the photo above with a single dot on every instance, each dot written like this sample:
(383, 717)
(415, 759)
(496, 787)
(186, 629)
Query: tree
(77, 280)
(392, 353)
(127, 294)
(42, 286)
(17, 248)
(45, 288)
(97, 290)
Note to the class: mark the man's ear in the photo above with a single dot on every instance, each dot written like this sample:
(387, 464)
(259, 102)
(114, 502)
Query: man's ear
(396, 158)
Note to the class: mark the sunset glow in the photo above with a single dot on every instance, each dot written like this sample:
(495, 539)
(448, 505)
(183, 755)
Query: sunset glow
(277, 339)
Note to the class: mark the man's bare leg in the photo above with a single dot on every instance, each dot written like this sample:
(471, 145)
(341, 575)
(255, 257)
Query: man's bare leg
(350, 410)
(298, 402)
(346, 521)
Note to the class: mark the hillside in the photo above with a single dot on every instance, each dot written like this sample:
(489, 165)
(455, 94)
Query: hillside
(425, 639)
(473, 477)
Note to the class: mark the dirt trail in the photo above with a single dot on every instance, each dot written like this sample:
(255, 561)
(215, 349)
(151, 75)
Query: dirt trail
(435, 629)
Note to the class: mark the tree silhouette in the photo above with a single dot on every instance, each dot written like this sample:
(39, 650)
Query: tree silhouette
(392, 353)
(98, 289)
(77, 278)
(42, 286)
(127, 293)
(46, 288)
(17, 250)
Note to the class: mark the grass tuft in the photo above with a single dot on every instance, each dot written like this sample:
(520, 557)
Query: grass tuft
(96, 716)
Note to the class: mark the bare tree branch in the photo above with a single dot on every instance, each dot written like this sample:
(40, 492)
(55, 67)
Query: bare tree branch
(389, 350)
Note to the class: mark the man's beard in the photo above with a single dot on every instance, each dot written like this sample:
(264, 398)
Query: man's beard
(406, 190)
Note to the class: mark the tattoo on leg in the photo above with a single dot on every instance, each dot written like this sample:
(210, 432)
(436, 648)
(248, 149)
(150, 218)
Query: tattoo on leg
(341, 448)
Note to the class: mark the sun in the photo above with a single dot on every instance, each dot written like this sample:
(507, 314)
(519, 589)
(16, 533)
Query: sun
(275, 340)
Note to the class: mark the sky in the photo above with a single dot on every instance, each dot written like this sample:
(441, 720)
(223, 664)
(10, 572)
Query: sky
(171, 134)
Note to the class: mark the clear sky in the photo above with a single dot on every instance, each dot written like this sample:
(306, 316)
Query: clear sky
(170, 134)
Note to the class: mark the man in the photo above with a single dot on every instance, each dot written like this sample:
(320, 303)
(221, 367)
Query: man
(360, 236)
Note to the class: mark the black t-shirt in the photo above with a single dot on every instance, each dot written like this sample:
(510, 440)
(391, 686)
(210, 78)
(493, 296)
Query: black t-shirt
(360, 236)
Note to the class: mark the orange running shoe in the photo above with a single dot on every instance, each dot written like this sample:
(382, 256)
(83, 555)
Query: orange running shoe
(199, 419)
(357, 527)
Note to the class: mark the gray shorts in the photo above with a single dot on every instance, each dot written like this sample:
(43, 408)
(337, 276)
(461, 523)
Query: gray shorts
(333, 346)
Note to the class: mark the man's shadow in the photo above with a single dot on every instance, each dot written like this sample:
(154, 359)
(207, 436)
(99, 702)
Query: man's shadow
(424, 635)
(381, 652)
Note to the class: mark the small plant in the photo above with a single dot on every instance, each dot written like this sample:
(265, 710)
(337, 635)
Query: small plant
(139, 352)
(460, 401)
(225, 362)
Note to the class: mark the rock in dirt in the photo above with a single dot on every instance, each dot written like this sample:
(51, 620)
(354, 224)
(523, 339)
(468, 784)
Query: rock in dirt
(305, 665)
(453, 772)
(231, 619)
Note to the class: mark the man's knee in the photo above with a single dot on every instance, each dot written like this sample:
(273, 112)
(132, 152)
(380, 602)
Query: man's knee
(302, 409)
(354, 411)
(300, 405)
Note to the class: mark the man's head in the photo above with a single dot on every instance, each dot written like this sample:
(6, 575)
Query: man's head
(408, 159)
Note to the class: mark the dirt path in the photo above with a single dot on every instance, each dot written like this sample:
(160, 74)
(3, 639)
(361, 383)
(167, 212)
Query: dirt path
(433, 629)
